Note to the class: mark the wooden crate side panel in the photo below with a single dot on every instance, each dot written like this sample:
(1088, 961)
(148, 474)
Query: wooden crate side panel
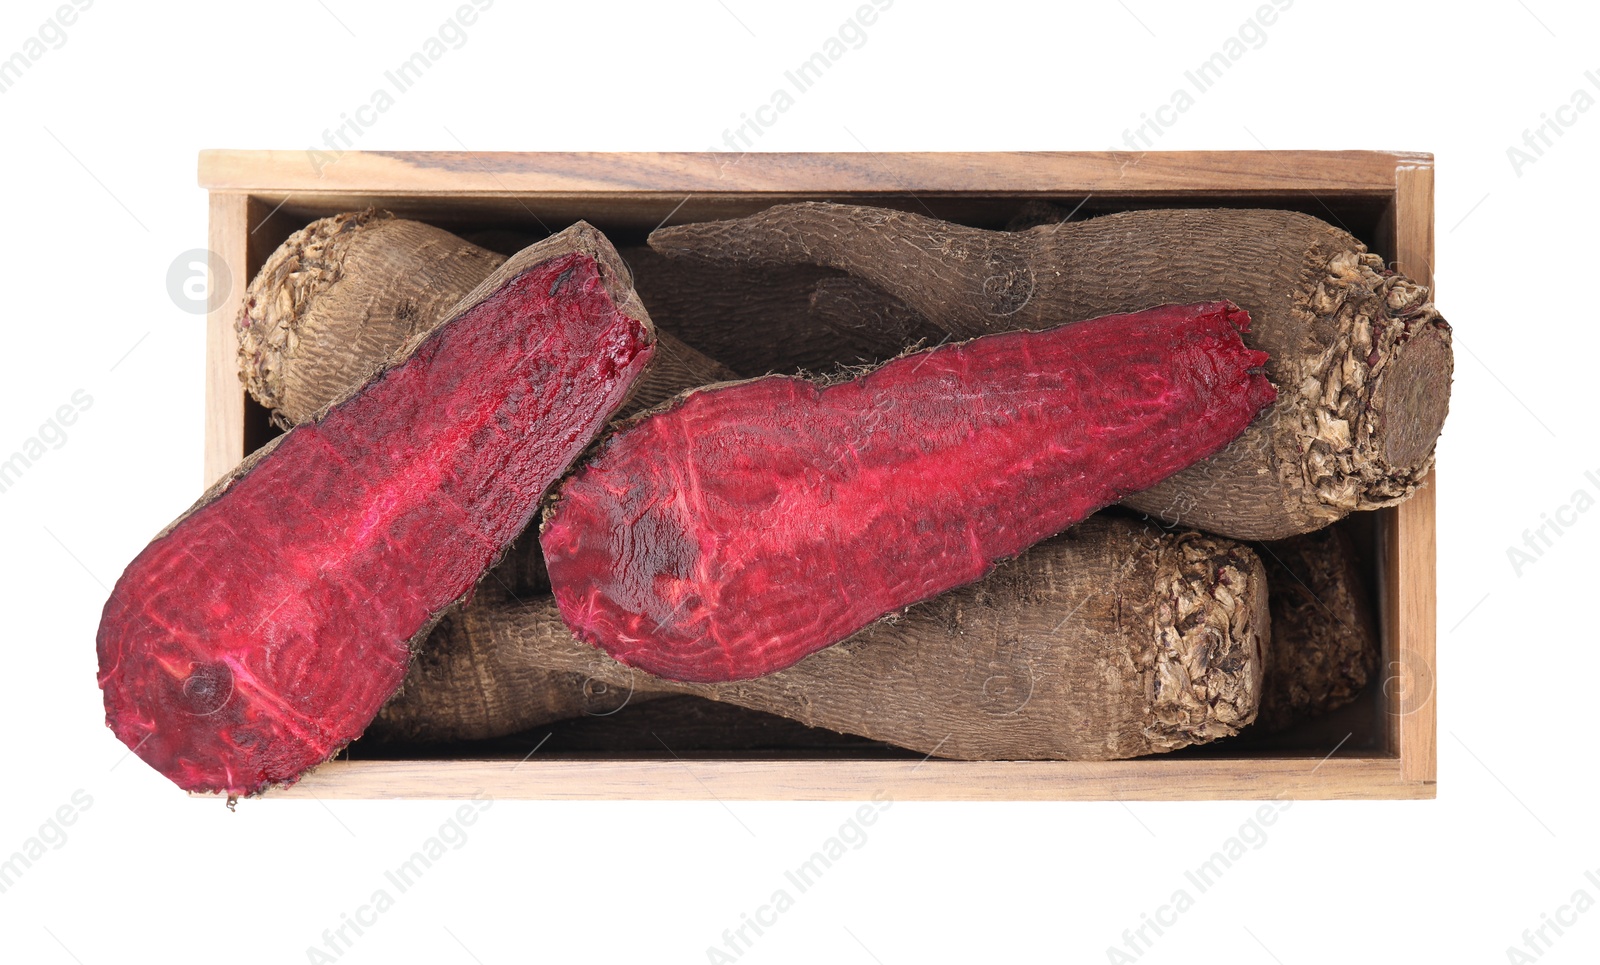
(229, 238)
(818, 780)
(1414, 602)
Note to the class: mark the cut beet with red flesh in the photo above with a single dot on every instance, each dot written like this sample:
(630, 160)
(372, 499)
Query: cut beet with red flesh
(751, 524)
(265, 629)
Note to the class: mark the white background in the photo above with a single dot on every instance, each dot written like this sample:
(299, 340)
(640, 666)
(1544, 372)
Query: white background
(99, 155)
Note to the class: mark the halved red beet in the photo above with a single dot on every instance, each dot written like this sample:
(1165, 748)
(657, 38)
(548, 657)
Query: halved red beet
(747, 525)
(264, 629)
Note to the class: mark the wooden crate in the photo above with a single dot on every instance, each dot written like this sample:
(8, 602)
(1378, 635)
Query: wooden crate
(258, 197)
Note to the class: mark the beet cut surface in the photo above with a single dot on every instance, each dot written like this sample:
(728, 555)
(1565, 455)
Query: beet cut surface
(748, 525)
(264, 629)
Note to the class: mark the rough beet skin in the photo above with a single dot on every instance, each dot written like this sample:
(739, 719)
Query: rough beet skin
(265, 628)
(748, 525)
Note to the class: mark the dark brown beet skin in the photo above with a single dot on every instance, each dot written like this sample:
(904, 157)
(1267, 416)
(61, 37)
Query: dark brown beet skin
(264, 629)
(1362, 354)
(748, 525)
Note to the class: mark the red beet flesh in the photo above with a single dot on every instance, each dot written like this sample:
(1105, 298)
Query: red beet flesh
(266, 628)
(747, 526)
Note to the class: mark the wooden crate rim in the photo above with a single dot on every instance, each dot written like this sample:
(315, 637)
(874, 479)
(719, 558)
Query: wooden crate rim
(996, 173)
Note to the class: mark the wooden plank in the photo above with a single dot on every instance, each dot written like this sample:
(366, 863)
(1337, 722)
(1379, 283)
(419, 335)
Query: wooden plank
(1160, 779)
(466, 175)
(229, 238)
(1414, 617)
(1413, 221)
(1414, 604)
